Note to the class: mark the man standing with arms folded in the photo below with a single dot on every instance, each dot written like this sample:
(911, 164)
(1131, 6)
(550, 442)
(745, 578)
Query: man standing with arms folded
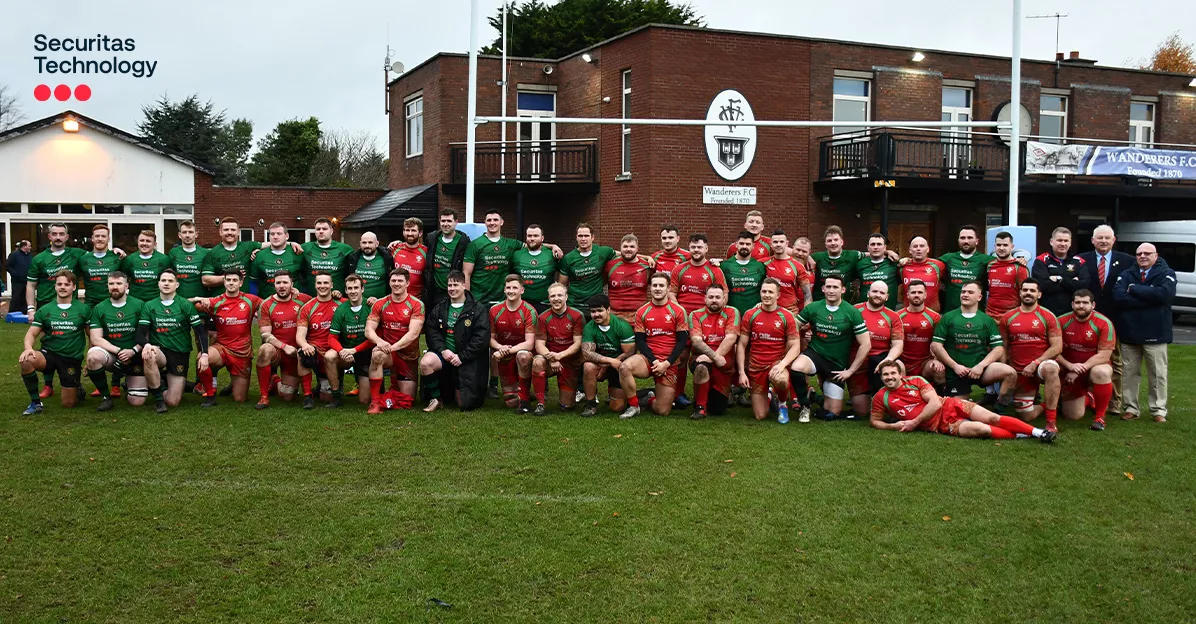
(164, 335)
(325, 254)
(458, 333)
(278, 257)
(969, 345)
(61, 325)
(917, 328)
(1145, 294)
(311, 336)
(671, 254)
(1104, 265)
(1033, 341)
(1005, 277)
(233, 312)
(661, 335)
(411, 254)
(512, 341)
(113, 332)
(187, 259)
(373, 265)
(768, 344)
(41, 287)
(790, 274)
(446, 251)
(886, 334)
(606, 342)
(714, 332)
(1088, 343)
(876, 266)
(536, 267)
(1059, 274)
(627, 280)
(965, 265)
(394, 326)
(350, 347)
(926, 269)
(838, 329)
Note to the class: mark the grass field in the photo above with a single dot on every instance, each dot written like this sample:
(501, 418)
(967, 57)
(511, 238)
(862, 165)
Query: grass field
(233, 515)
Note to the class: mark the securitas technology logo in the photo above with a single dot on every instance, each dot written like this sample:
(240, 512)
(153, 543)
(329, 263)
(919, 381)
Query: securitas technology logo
(82, 56)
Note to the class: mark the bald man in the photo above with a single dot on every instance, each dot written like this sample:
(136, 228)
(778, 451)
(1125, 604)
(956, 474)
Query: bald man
(1145, 294)
(372, 264)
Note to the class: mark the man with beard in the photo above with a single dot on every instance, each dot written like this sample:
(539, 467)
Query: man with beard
(487, 261)
(835, 261)
(535, 268)
(761, 245)
(689, 283)
(768, 343)
(164, 335)
(350, 347)
(917, 329)
(744, 276)
(40, 287)
(312, 334)
(886, 335)
(1005, 277)
(661, 335)
(278, 322)
(144, 267)
(670, 254)
(1088, 343)
(627, 279)
(926, 269)
(968, 342)
(714, 332)
(837, 329)
(232, 254)
(232, 348)
(60, 324)
(394, 326)
(95, 266)
(512, 341)
(606, 342)
(372, 265)
(187, 258)
(876, 266)
(327, 255)
(446, 251)
(1034, 340)
(583, 270)
(1059, 274)
(278, 257)
(965, 265)
(558, 350)
(917, 407)
(113, 331)
(458, 332)
(412, 254)
(790, 274)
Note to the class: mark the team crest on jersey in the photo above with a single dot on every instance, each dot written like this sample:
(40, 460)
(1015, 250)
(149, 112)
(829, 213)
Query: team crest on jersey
(880, 322)
(468, 322)
(323, 254)
(144, 264)
(929, 270)
(668, 318)
(188, 258)
(1088, 333)
(496, 248)
(965, 263)
(925, 324)
(788, 271)
(121, 315)
(64, 314)
(777, 323)
(967, 325)
(743, 270)
(535, 262)
(242, 306)
(1034, 323)
(166, 310)
(705, 277)
(830, 317)
(1009, 271)
(278, 261)
(1071, 268)
(100, 262)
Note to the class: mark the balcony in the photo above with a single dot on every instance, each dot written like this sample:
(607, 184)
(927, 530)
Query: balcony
(562, 165)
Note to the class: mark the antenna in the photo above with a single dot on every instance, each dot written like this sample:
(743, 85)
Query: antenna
(1057, 17)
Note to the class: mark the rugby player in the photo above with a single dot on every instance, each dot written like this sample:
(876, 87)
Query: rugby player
(1033, 341)
(767, 345)
(917, 328)
(458, 335)
(232, 254)
(969, 345)
(95, 266)
(187, 259)
(671, 254)
(412, 254)
(606, 342)
(661, 336)
(789, 273)
(277, 323)
(325, 254)
(688, 283)
(627, 279)
(744, 274)
(876, 266)
(1005, 275)
(835, 262)
(164, 334)
(512, 340)
(488, 261)
(558, 350)
(921, 266)
(886, 335)
(372, 265)
(962, 266)
(144, 267)
(583, 270)
(232, 347)
(394, 326)
(350, 347)
(113, 332)
(1088, 344)
(714, 332)
(312, 335)
(753, 223)
(837, 328)
(40, 286)
(280, 256)
(60, 323)
(446, 251)
(536, 268)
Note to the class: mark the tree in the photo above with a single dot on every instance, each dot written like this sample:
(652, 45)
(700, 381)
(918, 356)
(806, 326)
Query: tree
(11, 113)
(285, 156)
(541, 30)
(349, 160)
(195, 130)
(1172, 55)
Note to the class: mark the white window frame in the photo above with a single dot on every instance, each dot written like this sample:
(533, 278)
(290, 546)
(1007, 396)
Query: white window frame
(1042, 112)
(958, 139)
(625, 144)
(1139, 126)
(413, 125)
(867, 100)
(241, 234)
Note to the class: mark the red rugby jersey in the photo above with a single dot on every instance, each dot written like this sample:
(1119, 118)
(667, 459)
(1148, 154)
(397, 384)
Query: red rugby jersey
(930, 272)
(394, 319)
(768, 334)
(666, 261)
(558, 330)
(1005, 279)
(711, 328)
(316, 316)
(510, 327)
(282, 317)
(884, 326)
(689, 284)
(793, 277)
(917, 329)
(1028, 334)
(903, 403)
(1082, 339)
(660, 324)
(414, 259)
(627, 284)
(234, 318)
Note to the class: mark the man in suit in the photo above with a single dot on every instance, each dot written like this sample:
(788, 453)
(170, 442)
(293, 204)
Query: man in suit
(1145, 294)
(1102, 266)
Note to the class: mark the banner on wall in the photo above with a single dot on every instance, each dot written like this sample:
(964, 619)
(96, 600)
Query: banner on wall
(1099, 160)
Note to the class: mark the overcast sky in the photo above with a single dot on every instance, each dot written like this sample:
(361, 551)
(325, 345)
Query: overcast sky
(272, 61)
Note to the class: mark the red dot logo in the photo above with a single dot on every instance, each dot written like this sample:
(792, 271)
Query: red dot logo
(82, 93)
(62, 93)
(41, 92)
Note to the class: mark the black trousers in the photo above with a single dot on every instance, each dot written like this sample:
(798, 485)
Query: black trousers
(18, 303)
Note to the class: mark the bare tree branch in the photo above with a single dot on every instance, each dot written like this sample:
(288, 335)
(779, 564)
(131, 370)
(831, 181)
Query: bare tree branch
(11, 113)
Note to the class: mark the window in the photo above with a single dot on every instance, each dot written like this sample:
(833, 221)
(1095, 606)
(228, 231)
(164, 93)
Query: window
(626, 128)
(852, 103)
(1052, 118)
(1141, 124)
(414, 111)
(957, 148)
(301, 235)
(246, 234)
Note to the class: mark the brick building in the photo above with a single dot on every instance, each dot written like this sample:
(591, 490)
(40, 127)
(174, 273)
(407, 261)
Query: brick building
(634, 178)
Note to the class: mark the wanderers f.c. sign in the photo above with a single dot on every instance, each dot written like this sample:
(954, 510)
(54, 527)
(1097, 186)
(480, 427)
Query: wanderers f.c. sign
(730, 147)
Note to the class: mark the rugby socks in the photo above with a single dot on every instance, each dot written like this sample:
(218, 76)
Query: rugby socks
(797, 385)
(539, 385)
(337, 394)
(1015, 425)
(525, 389)
(31, 385)
(1001, 434)
(263, 380)
(1103, 393)
(431, 386)
(375, 389)
(306, 381)
(633, 400)
(206, 382)
(782, 395)
(682, 375)
(49, 375)
(100, 379)
(158, 392)
(1050, 416)
(702, 393)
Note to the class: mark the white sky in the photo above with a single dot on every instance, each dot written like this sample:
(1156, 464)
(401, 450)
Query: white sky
(270, 61)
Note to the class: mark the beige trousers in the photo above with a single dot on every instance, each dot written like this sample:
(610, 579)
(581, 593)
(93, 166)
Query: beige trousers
(1132, 357)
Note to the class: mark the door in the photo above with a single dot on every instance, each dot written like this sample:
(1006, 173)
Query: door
(900, 232)
(536, 158)
(957, 145)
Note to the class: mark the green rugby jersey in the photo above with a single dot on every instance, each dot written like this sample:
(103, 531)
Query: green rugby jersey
(844, 266)
(967, 340)
(587, 274)
(743, 282)
(64, 330)
(119, 324)
(221, 260)
(268, 262)
(170, 325)
(450, 324)
(348, 324)
(869, 271)
(93, 274)
(143, 274)
(834, 330)
(330, 259)
(189, 266)
(442, 259)
(609, 342)
(537, 270)
(374, 276)
(45, 266)
(491, 264)
(960, 270)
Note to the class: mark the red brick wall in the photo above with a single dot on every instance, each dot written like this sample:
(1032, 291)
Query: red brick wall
(1101, 112)
(1176, 117)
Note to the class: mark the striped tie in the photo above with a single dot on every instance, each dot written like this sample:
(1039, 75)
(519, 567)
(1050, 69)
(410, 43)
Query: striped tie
(1100, 271)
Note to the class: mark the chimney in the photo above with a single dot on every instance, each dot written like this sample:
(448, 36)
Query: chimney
(1074, 58)
(1058, 56)
(1075, 55)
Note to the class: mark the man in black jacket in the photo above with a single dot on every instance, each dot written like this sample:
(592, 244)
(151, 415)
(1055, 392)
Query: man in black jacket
(1145, 294)
(18, 269)
(373, 264)
(1059, 275)
(446, 252)
(458, 334)
(1102, 267)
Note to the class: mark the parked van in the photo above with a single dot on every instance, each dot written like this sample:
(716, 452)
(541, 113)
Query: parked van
(1176, 242)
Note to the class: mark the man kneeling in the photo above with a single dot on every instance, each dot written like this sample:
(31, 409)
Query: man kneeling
(458, 332)
(606, 342)
(915, 405)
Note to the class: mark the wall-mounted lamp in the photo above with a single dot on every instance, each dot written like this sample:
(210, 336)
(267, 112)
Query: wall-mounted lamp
(1193, 83)
(216, 220)
(298, 218)
(587, 58)
(335, 220)
(606, 100)
(918, 57)
(261, 222)
(70, 125)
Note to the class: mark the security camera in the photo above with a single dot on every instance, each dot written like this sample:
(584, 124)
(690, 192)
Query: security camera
(548, 70)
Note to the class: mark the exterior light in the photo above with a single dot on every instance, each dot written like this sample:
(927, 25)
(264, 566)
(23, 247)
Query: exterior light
(335, 220)
(918, 57)
(1193, 83)
(587, 58)
(70, 125)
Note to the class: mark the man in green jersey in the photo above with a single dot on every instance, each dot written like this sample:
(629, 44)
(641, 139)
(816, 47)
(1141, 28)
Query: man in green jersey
(446, 252)
(40, 286)
(968, 343)
(536, 266)
(583, 270)
(834, 262)
(876, 266)
(837, 327)
(325, 254)
(744, 275)
(606, 341)
(350, 348)
(144, 267)
(94, 266)
(164, 338)
(232, 254)
(373, 265)
(113, 330)
(487, 261)
(61, 326)
(458, 334)
(187, 259)
(965, 265)
(278, 257)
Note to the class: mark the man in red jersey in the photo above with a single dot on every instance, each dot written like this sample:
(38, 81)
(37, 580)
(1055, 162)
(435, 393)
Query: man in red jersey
(922, 267)
(917, 328)
(761, 247)
(233, 313)
(794, 279)
(1088, 344)
(278, 322)
(350, 348)
(768, 343)
(886, 335)
(411, 254)
(661, 335)
(311, 336)
(394, 326)
(1033, 341)
(627, 279)
(558, 349)
(1005, 277)
(670, 254)
(688, 284)
(512, 340)
(714, 330)
(915, 405)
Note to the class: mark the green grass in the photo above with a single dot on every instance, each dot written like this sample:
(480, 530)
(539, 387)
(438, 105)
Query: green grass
(232, 515)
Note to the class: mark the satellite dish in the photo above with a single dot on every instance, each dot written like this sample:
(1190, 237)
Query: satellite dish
(397, 67)
(1005, 114)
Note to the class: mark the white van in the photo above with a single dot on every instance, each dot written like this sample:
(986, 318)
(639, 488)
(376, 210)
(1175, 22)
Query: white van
(1176, 242)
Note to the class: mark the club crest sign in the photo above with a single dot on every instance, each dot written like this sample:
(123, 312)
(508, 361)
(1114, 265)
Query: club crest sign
(730, 148)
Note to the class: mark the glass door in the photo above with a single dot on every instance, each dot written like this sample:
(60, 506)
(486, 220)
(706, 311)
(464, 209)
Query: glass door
(957, 143)
(536, 148)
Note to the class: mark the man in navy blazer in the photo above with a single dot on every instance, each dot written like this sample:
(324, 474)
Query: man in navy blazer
(1102, 266)
(1145, 294)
